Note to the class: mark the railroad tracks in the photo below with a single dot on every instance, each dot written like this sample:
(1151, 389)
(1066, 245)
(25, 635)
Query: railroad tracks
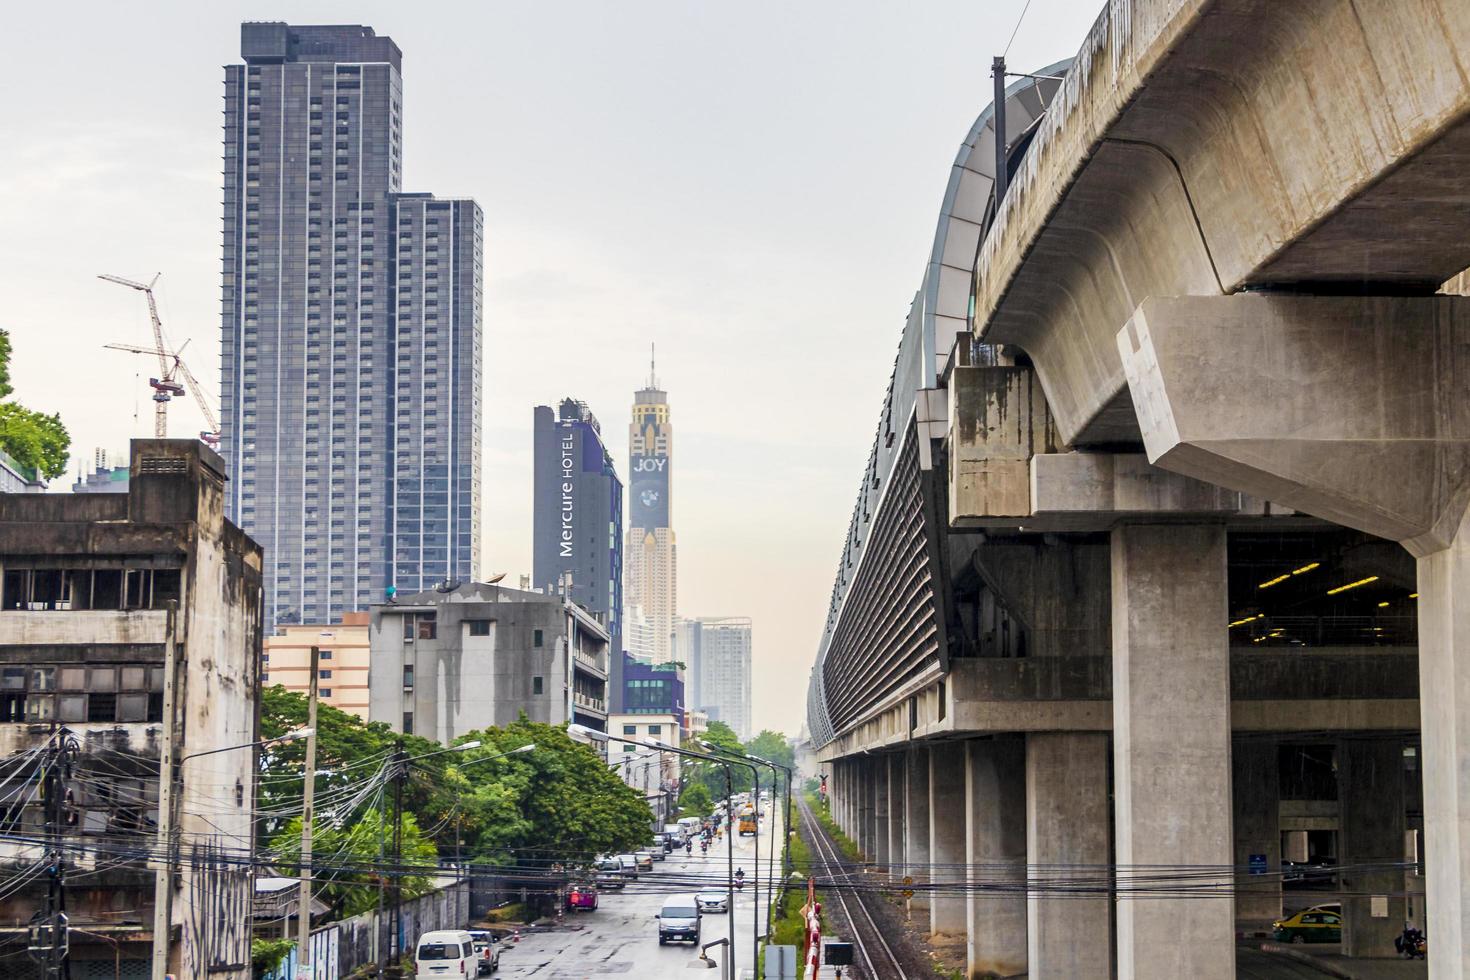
(878, 959)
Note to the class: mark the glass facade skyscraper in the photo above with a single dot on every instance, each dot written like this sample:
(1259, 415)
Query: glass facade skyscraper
(351, 331)
(577, 522)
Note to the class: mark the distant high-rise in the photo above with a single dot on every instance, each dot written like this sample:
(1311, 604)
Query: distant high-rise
(652, 566)
(725, 645)
(577, 521)
(351, 330)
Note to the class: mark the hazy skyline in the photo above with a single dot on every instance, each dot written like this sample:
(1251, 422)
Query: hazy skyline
(753, 187)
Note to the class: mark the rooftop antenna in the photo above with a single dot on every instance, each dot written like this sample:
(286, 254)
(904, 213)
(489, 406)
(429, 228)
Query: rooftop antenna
(652, 378)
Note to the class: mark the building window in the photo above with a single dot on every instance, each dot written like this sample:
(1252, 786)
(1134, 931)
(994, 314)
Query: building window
(428, 626)
(408, 675)
(627, 747)
(537, 685)
(630, 729)
(325, 675)
(324, 654)
(326, 692)
(655, 729)
(479, 627)
(536, 638)
(408, 723)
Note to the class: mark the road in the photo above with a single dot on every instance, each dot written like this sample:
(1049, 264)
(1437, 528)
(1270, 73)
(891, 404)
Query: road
(620, 939)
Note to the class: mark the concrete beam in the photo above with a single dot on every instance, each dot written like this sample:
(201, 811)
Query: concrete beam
(1069, 930)
(995, 804)
(1171, 748)
(1114, 485)
(1310, 401)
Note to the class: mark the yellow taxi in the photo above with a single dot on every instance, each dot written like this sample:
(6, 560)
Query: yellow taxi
(1319, 924)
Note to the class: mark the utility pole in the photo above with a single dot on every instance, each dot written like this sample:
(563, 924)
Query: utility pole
(998, 118)
(400, 774)
(308, 792)
(50, 937)
(163, 882)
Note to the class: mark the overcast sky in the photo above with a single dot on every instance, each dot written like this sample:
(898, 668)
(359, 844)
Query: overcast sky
(751, 185)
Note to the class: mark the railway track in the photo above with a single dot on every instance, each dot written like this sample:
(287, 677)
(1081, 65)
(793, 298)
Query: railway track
(877, 957)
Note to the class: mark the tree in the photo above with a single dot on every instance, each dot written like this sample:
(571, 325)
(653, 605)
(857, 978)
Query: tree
(346, 857)
(31, 438)
(775, 747)
(712, 774)
(695, 801)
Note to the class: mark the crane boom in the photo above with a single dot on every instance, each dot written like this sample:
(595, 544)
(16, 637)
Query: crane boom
(147, 290)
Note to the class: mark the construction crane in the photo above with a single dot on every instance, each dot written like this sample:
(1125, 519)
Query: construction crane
(170, 367)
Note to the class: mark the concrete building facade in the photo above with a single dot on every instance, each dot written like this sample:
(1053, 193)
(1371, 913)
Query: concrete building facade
(651, 575)
(351, 330)
(343, 666)
(450, 662)
(653, 773)
(101, 597)
(577, 520)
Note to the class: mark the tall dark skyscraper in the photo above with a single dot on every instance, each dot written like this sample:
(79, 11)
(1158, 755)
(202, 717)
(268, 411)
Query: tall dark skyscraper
(351, 330)
(577, 522)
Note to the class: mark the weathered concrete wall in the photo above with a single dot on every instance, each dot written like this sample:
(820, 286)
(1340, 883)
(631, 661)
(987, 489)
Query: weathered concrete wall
(998, 420)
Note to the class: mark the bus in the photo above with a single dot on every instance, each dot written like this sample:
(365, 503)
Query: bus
(748, 821)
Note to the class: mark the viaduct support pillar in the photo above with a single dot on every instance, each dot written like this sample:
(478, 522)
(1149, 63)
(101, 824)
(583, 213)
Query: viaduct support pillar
(1171, 750)
(882, 809)
(897, 809)
(916, 825)
(864, 767)
(1256, 786)
(1067, 849)
(1370, 780)
(947, 837)
(995, 851)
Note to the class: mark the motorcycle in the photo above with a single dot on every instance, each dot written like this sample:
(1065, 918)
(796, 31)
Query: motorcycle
(1412, 944)
(689, 847)
(704, 848)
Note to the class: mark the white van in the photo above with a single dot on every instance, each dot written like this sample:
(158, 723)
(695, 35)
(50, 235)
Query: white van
(443, 954)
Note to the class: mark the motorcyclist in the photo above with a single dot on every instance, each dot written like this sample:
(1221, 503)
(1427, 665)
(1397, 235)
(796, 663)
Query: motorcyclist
(1410, 942)
(688, 846)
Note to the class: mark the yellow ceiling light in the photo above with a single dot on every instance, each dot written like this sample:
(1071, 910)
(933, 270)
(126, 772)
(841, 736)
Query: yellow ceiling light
(1413, 595)
(1383, 605)
(1275, 581)
(1306, 568)
(1352, 585)
(1248, 619)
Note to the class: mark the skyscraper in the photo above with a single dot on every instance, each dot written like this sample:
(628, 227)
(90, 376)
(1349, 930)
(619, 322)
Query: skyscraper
(652, 567)
(351, 331)
(577, 522)
(725, 645)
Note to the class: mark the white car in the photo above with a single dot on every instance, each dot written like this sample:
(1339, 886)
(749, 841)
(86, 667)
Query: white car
(713, 901)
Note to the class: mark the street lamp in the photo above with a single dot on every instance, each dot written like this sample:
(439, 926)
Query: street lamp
(755, 937)
(786, 823)
(596, 736)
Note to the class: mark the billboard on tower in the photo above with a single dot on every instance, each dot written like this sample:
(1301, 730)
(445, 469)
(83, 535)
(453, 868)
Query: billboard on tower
(648, 505)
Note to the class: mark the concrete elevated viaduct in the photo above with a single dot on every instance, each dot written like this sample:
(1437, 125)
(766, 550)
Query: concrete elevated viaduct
(1156, 588)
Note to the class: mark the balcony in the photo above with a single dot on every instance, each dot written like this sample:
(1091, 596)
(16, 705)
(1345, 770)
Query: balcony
(595, 662)
(589, 703)
(82, 626)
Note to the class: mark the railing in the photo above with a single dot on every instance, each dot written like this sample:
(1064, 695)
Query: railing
(589, 702)
(597, 661)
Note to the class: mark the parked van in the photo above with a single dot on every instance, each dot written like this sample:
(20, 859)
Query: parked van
(446, 953)
(691, 825)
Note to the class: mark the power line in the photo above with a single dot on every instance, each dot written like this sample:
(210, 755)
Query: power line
(1017, 28)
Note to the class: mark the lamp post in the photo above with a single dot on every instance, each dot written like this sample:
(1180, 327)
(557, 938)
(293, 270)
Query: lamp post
(756, 784)
(596, 736)
(399, 762)
(786, 823)
(164, 873)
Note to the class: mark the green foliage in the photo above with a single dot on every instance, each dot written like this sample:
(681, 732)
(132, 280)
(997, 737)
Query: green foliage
(712, 774)
(267, 954)
(559, 803)
(341, 858)
(774, 747)
(695, 801)
(30, 438)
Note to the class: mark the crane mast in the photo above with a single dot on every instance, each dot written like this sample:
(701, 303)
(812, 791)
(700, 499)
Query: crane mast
(170, 367)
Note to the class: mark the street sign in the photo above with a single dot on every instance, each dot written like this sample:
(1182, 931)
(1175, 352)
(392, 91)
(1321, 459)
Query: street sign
(1258, 864)
(908, 891)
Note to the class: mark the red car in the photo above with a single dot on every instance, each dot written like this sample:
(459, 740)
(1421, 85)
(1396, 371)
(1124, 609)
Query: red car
(582, 897)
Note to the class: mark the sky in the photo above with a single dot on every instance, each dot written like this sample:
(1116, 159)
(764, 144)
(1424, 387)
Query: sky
(753, 186)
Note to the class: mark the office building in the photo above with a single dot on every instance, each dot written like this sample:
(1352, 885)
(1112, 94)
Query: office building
(104, 478)
(651, 576)
(351, 331)
(653, 689)
(577, 521)
(343, 657)
(102, 595)
(448, 662)
(638, 635)
(687, 636)
(724, 671)
(16, 478)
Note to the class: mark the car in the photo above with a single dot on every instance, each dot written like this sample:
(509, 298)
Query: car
(661, 842)
(630, 865)
(712, 901)
(678, 920)
(610, 873)
(582, 896)
(1319, 924)
(487, 951)
(444, 953)
(656, 850)
(644, 859)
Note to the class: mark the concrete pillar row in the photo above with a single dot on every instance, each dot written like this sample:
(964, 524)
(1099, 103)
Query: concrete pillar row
(882, 810)
(947, 828)
(916, 824)
(1068, 857)
(1171, 750)
(897, 808)
(995, 851)
(867, 813)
